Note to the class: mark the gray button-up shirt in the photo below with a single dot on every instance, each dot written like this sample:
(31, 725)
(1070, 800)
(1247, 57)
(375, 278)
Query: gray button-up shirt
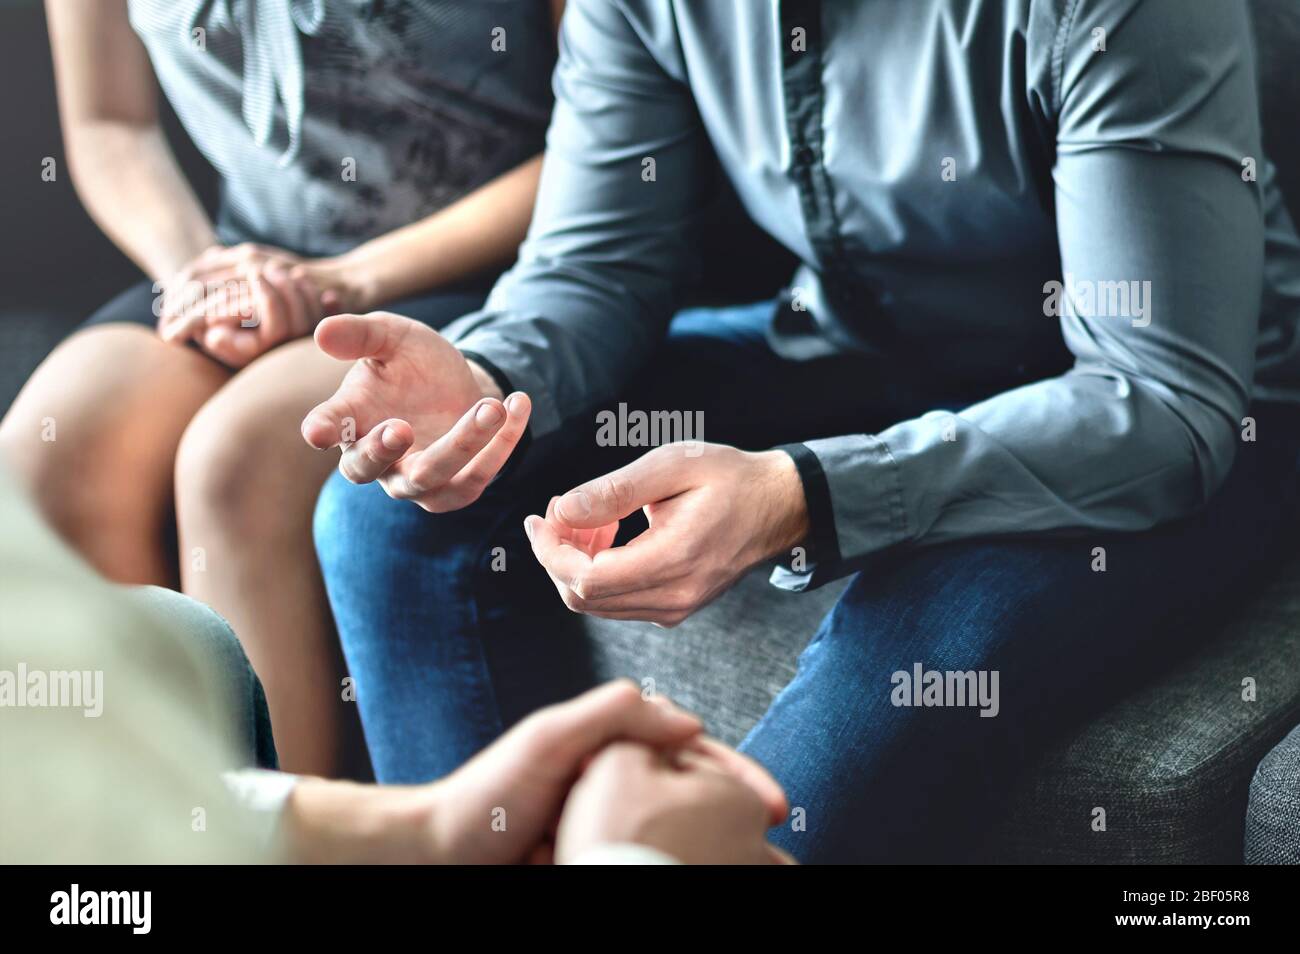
(966, 181)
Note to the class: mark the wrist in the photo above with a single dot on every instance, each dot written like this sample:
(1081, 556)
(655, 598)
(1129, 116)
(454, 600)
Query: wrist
(357, 279)
(788, 519)
(327, 822)
(484, 379)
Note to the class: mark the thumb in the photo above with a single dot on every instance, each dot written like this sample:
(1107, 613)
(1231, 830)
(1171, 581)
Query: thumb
(608, 499)
(348, 337)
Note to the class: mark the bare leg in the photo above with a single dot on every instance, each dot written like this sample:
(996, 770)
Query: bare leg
(246, 486)
(93, 435)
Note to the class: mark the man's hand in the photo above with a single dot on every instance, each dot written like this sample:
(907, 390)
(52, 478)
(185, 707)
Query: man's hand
(412, 412)
(713, 515)
(687, 804)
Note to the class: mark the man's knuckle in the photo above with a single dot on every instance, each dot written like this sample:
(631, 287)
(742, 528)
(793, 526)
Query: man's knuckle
(615, 492)
(585, 587)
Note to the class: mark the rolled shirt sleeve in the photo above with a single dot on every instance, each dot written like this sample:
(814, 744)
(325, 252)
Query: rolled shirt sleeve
(610, 246)
(1151, 138)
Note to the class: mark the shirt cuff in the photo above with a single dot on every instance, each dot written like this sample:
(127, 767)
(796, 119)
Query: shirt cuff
(854, 490)
(822, 544)
(507, 362)
(262, 793)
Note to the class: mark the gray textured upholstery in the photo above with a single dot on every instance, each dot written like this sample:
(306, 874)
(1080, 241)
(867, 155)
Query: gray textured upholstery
(1273, 818)
(726, 662)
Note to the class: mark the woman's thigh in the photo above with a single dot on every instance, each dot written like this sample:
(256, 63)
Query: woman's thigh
(242, 460)
(94, 432)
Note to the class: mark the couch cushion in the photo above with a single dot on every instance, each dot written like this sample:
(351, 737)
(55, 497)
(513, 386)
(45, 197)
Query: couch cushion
(1273, 818)
(1170, 763)
(728, 661)
(26, 337)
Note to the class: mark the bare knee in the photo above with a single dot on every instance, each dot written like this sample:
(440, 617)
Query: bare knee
(93, 434)
(100, 418)
(242, 467)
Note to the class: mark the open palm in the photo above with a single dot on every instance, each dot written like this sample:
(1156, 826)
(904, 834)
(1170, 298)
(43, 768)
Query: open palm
(411, 414)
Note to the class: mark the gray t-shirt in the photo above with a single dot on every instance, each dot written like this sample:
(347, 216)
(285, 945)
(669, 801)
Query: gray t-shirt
(333, 121)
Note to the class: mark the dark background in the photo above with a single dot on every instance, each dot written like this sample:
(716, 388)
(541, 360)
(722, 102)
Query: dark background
(56, 267)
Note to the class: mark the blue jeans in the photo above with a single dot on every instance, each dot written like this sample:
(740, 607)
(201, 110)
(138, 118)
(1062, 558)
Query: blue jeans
(447, 652)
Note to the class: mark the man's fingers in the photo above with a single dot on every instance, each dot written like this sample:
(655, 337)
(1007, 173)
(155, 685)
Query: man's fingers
(370, 457)
(432, 468)
(330, 423)
(574, 730)
(565, 564)
(608, 499)
(591, 540)
(648, 564)
(466, 486)
(378, 335)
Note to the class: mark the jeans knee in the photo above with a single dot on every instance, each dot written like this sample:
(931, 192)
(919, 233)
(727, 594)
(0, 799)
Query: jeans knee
(345, 520)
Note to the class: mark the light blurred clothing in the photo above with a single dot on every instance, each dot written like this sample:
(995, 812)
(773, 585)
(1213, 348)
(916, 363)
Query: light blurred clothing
(141, 781)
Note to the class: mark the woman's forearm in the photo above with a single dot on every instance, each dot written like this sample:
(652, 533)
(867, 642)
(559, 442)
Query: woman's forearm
(480, 231)
(130, 184)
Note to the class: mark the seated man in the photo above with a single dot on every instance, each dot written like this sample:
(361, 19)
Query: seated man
(114, 733)
(1046, 270)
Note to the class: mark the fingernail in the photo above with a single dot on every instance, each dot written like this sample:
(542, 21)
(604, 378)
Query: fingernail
(487, 415)
(512, 402)
(392, 440)
(574, 505)
(528, 528)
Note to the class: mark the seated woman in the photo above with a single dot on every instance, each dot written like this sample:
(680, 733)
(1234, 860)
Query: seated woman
(369, 154)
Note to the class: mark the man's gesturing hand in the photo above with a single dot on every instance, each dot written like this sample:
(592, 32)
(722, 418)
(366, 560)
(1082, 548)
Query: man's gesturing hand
(412, 413)
(713, 515)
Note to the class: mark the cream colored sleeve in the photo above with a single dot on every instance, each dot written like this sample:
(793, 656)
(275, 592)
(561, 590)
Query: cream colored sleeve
(111, 738)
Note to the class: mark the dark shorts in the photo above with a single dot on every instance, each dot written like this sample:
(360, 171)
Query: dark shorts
(435, 309)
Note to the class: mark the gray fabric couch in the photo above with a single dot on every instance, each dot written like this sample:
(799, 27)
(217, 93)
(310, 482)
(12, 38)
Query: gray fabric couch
(1273, 817)
(1173, 760)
